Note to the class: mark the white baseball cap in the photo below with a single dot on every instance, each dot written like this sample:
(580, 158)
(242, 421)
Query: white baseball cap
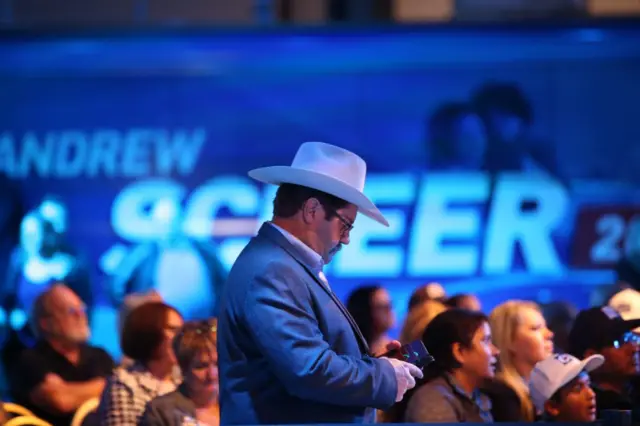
(627, 303)
(552, 373)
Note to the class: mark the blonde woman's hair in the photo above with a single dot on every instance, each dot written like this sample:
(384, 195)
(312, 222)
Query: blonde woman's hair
(418, 319)
(504, 321)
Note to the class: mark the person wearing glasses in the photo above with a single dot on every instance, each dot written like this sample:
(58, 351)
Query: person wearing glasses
(62, 370)
(195, 402)
(601, 330)
(289, 351)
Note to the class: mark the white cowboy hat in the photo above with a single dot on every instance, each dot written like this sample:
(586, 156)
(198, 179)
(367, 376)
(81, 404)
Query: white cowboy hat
(329, 169)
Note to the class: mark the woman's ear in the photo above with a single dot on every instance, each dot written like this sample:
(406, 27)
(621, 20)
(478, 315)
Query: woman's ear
(458, 352)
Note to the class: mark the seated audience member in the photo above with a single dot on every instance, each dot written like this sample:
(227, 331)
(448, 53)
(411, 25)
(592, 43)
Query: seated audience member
(603, 331)
(431, 291)
(560, 388)
(146, 339)
(132, 301)
(196, 399)
(464, 301)
(62, 371)
(371, 308)
(460, 342)
(520, 332)
(418, 319)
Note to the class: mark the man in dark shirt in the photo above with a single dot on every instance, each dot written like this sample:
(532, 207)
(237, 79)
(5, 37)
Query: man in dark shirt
(62, 371)
(603, 331)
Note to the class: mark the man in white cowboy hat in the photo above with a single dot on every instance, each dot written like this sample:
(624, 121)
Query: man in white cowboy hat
(288, 350)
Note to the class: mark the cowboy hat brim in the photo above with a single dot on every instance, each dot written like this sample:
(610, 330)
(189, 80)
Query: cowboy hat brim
(276, 175)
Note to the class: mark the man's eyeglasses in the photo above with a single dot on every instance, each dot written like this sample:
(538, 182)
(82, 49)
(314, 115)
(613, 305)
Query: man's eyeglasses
(347, 226)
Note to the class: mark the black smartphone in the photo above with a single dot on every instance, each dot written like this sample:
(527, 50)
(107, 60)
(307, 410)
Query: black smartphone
(414, 353)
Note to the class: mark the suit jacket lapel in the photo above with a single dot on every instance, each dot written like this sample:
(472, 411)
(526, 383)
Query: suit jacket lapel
(274, 235)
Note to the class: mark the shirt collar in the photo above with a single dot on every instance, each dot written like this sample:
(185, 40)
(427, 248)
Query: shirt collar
(314, 259)
(477, 397)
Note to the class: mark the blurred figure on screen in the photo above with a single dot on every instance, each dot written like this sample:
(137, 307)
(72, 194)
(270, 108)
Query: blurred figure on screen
(372, 310)
(457, 140)
(185, 272)
(507, 115)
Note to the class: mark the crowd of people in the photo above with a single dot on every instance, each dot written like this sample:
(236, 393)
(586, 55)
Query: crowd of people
(285, 350)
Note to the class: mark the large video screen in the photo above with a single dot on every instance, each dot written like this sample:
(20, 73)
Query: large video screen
(506, 162)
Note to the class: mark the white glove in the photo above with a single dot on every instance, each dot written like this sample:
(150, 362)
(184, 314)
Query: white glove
(406, 375)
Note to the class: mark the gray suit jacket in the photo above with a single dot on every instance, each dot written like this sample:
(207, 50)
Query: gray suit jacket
(289, 352)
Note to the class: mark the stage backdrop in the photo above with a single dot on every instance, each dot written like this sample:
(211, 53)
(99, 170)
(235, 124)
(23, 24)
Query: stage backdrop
(118, 127)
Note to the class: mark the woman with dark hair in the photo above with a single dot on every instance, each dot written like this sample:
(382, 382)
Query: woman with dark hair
(146, 339)
(460, 342)
(371, 308)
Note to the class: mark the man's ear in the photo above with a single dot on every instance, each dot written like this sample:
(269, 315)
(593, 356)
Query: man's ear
(552, 408)
(310, 209)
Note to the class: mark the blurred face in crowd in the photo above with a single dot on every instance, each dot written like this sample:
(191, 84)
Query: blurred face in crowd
(479, 360)
(382, 310)
(621, 357)
(202, 376)
(172, 327)
(533, 341)
(66, 317)
(574, 402)
(471, 303)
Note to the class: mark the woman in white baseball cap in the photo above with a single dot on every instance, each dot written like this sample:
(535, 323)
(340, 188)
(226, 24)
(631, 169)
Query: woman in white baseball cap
(560, 388)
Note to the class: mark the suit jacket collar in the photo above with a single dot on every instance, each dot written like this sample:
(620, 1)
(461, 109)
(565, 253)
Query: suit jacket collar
(304, 259)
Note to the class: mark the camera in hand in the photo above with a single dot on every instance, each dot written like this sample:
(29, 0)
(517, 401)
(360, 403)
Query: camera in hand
(414, 353)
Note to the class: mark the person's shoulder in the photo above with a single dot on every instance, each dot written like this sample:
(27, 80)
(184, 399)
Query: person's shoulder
(435, 389)
(97, 351)
(497, 388)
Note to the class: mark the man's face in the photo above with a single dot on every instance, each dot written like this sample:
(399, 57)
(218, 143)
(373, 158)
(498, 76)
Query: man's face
(335, 232)
(575, 401)
(67, 318)
(621, 357)
(507, 127)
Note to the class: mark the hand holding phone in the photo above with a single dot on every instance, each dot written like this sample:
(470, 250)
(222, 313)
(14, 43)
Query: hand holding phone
(414, 353)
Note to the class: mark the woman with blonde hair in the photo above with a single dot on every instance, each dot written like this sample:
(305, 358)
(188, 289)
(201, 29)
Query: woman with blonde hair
(418, 319)
(195, 402)
(521, 334)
